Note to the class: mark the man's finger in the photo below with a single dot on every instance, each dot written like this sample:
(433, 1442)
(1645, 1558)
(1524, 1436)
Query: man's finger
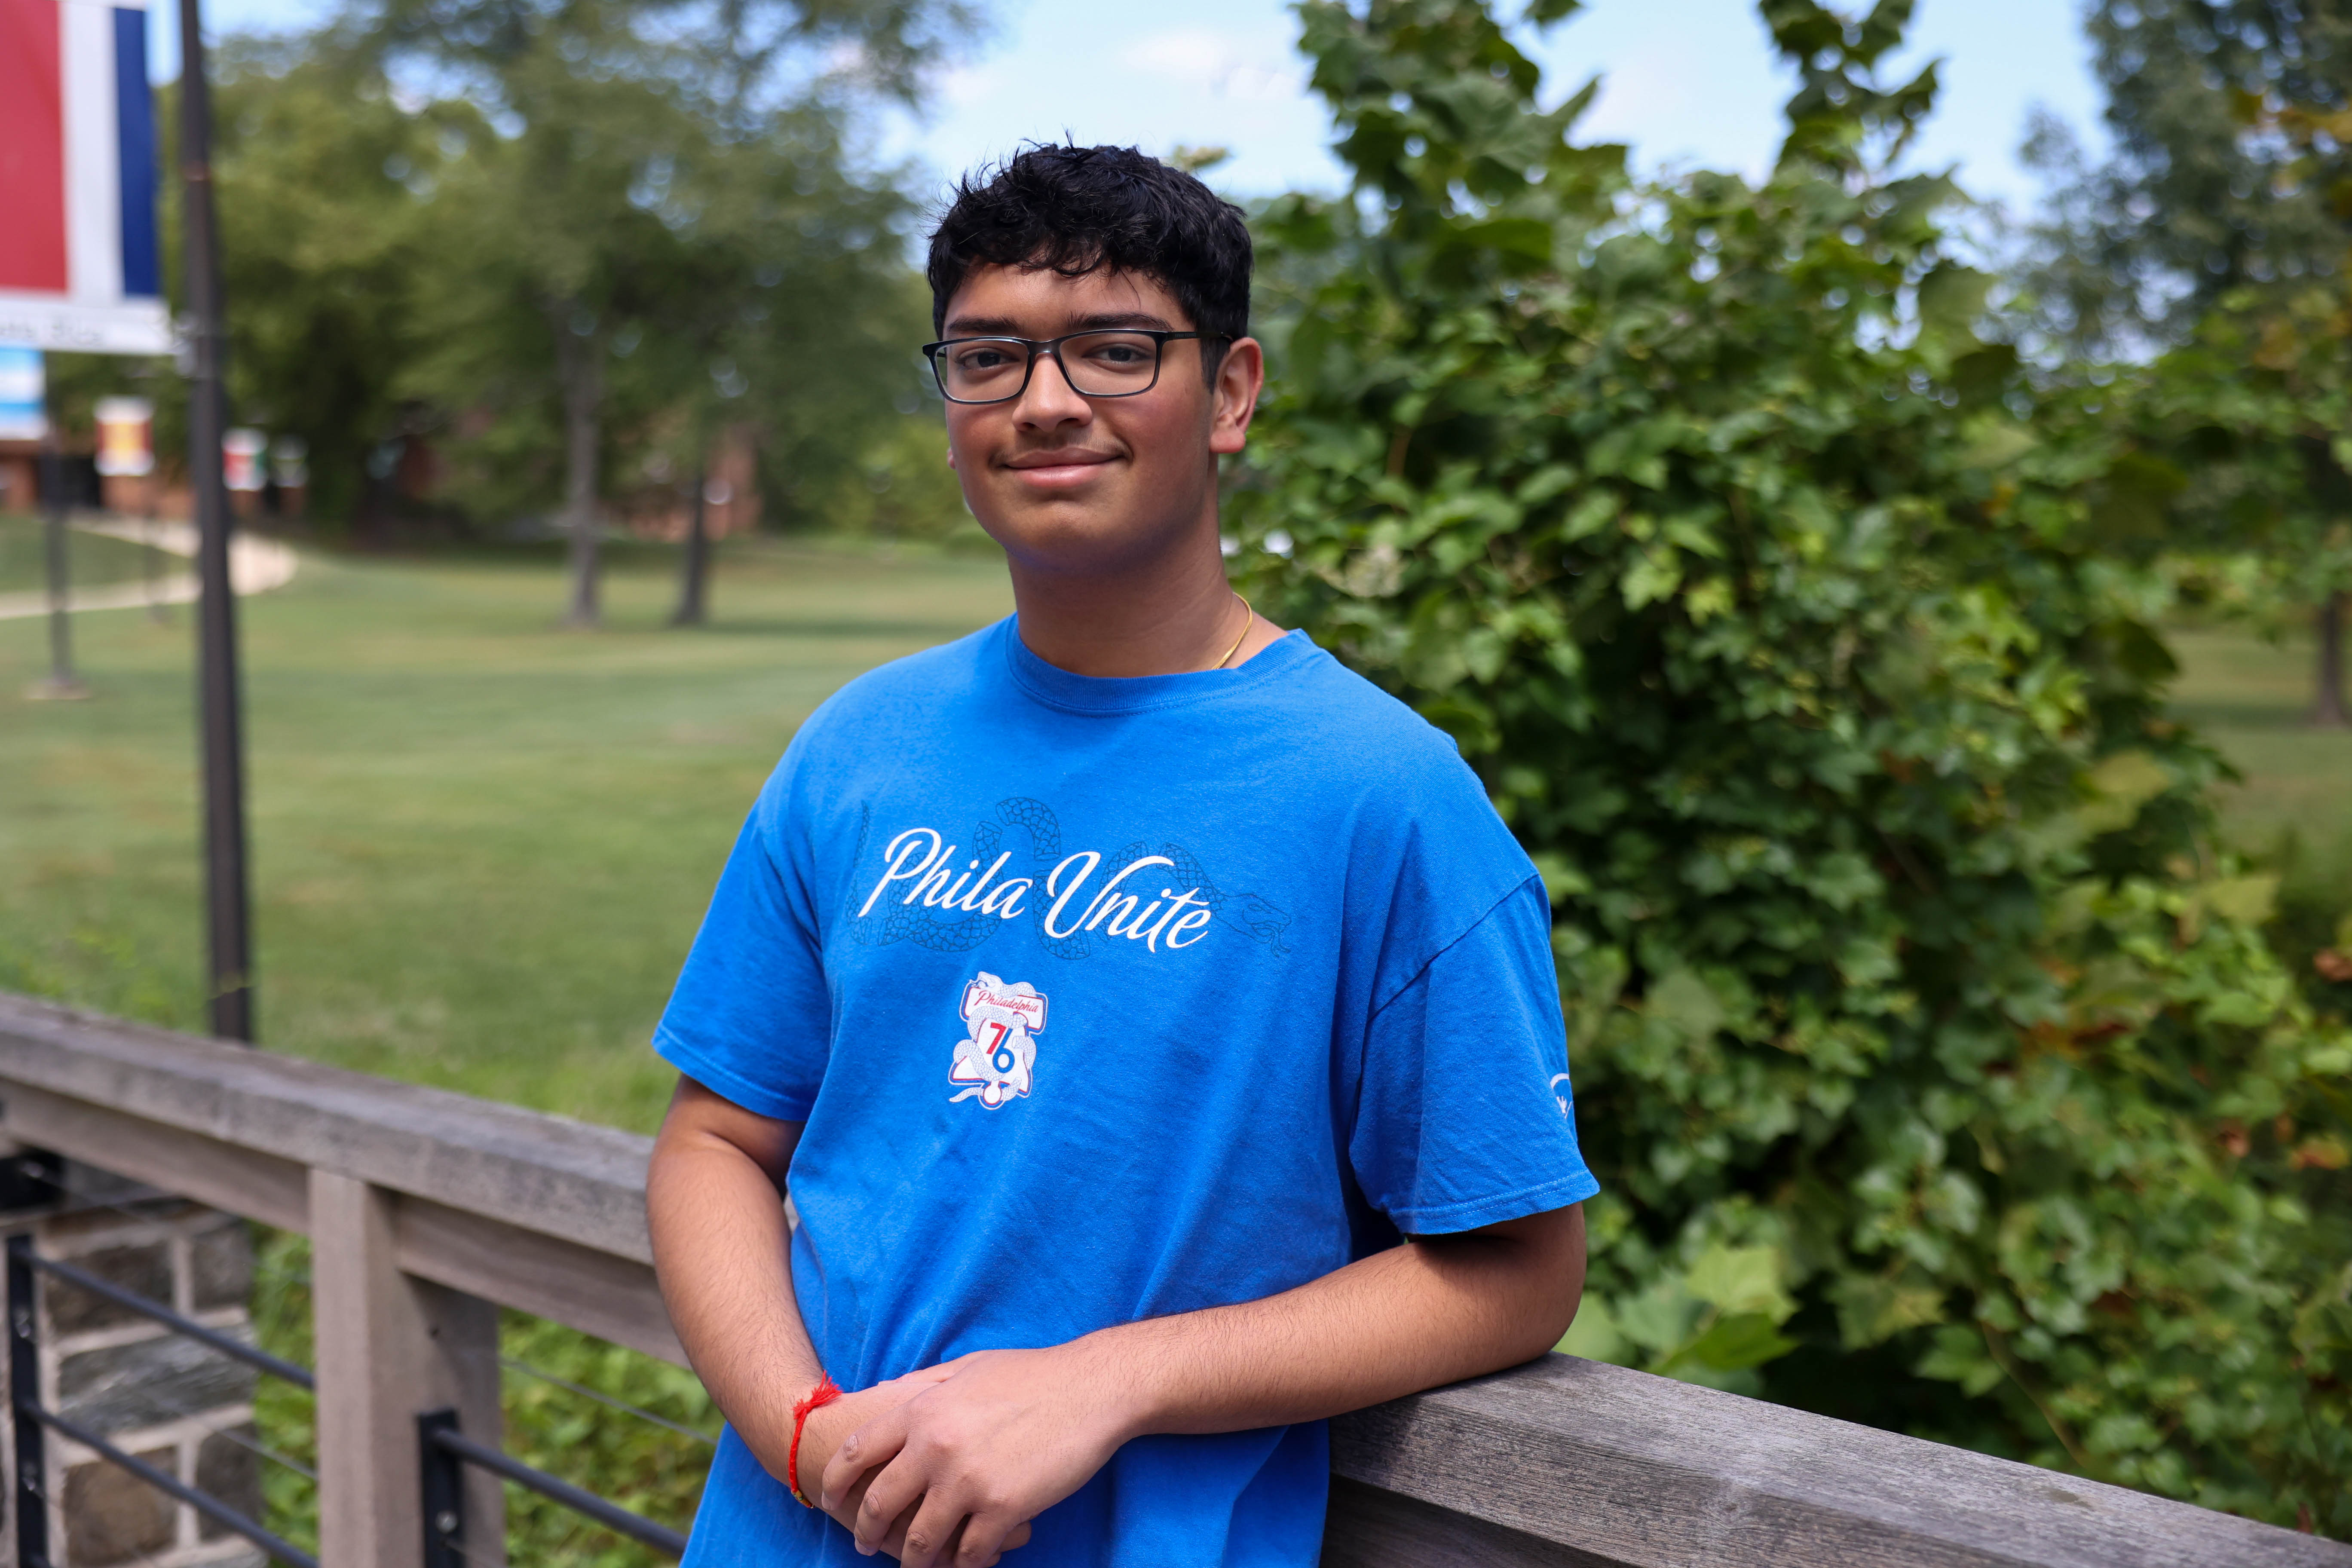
(933, 1534)
(894, 1489)
(844, 1510)
(986, 1536)
(1020, 1537)
(894, 1545)
(876, 1443)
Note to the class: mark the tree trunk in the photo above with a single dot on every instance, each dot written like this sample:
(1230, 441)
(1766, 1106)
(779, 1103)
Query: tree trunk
(2328, 710)
(579, 371)
(693, 592)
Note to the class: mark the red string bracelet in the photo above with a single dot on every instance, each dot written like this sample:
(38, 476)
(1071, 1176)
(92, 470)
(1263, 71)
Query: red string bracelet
(826, 1392)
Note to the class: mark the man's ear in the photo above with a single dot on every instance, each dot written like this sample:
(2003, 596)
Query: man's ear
(1241, 376)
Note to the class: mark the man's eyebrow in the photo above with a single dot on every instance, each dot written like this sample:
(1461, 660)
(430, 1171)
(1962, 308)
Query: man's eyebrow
(1005, 327)
(1143, 319)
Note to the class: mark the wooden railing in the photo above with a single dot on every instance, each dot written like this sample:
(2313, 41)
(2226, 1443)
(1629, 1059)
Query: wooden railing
(426, 1210)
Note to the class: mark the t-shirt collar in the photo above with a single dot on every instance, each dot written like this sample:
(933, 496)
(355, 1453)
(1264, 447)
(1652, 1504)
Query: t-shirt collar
(1059, 688)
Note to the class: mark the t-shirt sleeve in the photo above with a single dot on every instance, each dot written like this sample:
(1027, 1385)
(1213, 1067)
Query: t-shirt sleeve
(1464, 1115)
(749, 1018)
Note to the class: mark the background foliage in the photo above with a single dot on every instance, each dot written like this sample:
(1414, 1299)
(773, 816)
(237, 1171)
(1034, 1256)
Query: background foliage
(1934, 1065)
(2214, 242)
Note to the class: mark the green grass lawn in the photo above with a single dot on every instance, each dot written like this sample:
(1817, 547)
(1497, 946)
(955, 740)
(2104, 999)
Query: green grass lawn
(2293, 809)
(92, 559)
(481, 843)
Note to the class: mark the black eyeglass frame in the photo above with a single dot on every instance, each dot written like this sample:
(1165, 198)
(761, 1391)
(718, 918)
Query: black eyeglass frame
(1042, 348)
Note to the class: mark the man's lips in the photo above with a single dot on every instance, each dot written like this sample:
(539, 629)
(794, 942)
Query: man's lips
(1059, 468)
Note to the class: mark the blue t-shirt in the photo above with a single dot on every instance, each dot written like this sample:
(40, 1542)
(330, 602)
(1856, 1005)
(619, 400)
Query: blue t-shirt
(1106, 999)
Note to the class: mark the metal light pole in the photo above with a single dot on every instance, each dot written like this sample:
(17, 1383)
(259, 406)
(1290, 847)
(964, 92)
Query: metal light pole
(62, 682)
(217, 678)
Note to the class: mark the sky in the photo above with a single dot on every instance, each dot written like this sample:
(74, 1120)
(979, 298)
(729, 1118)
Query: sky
(1685, 83)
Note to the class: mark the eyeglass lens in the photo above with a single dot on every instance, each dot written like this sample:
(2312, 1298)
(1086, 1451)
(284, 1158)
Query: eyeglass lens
(1098, 364)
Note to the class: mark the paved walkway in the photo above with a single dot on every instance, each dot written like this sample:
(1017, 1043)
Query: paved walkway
(255, 565)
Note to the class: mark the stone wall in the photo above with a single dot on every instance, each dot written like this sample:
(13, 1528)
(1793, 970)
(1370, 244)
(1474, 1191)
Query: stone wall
(166, 1399)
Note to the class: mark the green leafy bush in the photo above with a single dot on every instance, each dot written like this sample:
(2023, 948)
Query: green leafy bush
(1929, 1053)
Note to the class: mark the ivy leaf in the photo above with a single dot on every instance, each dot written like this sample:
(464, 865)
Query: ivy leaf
(1734, 1344)
(2121, 785)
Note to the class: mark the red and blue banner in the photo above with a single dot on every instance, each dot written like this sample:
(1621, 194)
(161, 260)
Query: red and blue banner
(79, 264)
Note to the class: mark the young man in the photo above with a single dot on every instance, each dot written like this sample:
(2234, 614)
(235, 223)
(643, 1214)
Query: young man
(1155, 1026)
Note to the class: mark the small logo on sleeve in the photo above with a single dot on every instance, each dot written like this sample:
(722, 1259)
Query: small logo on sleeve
(998, 1056)
(1559, 1091)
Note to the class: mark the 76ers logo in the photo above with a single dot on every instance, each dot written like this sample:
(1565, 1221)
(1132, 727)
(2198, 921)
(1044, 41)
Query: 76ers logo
(1000, 1055)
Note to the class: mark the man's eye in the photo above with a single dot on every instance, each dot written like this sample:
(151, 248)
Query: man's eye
(982, 359)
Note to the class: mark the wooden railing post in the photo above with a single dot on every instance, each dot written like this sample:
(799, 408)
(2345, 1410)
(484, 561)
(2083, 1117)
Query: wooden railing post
(390, 1347)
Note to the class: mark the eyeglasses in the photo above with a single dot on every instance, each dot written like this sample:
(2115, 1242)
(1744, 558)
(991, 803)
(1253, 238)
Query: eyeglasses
(1121, 362)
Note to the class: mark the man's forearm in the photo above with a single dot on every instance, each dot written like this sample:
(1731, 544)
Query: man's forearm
(714, 1206)
(1410, 1318)
(721, 1251)
(1005, 1434)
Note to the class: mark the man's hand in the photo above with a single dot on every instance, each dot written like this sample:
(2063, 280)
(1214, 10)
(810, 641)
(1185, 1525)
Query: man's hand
(953, 1473)
(829, 1426)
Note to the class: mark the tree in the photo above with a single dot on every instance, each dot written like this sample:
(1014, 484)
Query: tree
(2204, 194)
(659, 173)
(2222, 224)
(1928, 1051)
(331, 206)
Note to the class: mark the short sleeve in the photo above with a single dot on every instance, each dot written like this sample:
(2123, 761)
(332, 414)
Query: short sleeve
(1464, 1116)
(748, 1017)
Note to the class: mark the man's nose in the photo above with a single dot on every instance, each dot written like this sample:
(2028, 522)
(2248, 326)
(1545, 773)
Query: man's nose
(1049, 399)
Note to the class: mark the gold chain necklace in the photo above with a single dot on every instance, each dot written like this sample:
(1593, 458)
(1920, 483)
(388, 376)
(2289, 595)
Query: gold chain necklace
(1249, 619)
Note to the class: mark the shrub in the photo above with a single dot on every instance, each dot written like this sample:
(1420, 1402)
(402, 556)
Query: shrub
(1930, 1055)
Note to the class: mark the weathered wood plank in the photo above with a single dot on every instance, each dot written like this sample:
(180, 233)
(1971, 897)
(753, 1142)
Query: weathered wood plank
(1369, 1528)
(392, 1348)
(612, 1297)
(543, 1172)
(223, 1175)
(1653, 1473)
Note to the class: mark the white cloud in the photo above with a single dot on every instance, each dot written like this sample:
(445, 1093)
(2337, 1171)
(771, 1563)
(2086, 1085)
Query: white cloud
(1256, 67)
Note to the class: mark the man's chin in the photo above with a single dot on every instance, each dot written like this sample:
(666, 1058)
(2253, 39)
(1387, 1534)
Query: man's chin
(1071, 533)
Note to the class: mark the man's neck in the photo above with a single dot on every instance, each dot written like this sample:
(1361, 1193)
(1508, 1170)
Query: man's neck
(1169, 616)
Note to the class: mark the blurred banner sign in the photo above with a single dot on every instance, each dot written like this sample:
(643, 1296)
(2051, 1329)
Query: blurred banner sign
(78, 265)
(241, 453)
(126, 438)
(23, 416)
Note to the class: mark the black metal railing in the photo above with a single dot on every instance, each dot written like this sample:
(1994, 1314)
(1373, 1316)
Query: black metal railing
(443, 1453)
(443, 1449)
(34, 1421)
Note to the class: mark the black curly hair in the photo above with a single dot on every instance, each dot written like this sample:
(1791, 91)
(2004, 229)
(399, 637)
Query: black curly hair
(1080, 209)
